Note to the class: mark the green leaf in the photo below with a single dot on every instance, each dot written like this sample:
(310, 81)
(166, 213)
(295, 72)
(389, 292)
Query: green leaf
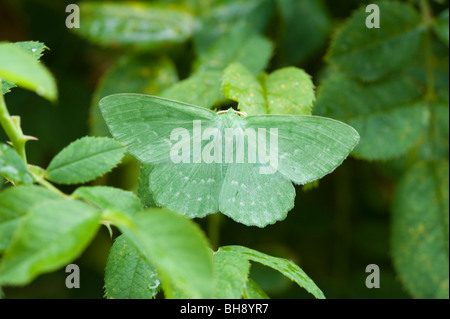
(240, 85)
(371, 54)
(312, 32)
(439, 136)
(241, 44)
(442, 80)
(389, 115)
(285, 91)
(420, 230)
(144, 191)
(128, 275)
(12, 166)
(21, 68)
(289, 91)
(253, 291)
(15, 204)
(104, 197)
(6, 87)
(202, 89)
(440, 70)
(193, 5)
(53, 233)
(139, 25)
(434, 143)
(132, 73)
(218, 17)
(230, 274)
(33, 48)
(284, 266)
(252, 193)
(177, 248)
(441, 26)
(84, 160)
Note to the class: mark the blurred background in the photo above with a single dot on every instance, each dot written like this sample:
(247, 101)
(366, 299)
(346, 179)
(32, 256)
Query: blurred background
(337, 227)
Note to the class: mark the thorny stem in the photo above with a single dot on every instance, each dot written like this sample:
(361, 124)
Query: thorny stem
(11, 125)
(12, 128)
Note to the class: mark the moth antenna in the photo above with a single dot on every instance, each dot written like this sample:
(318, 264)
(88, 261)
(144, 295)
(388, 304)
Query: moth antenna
(235, 112)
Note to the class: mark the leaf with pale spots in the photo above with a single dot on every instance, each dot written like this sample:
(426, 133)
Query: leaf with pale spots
(285, 91)
(202, 89)
(420, 230)
(308, 148)
(240, 44)
(240, 85)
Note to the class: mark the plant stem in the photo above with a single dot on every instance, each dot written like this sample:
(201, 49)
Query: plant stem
(38, 174)
(430, 94)
(426, 12)
(50, 187)
(214, 222)
(431, 99)
(428, 50)
(11, 125)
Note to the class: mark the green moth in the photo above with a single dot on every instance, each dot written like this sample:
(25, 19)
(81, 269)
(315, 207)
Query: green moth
(242, 166)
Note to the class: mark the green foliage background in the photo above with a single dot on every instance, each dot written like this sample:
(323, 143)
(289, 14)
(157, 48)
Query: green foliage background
(379, 207)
